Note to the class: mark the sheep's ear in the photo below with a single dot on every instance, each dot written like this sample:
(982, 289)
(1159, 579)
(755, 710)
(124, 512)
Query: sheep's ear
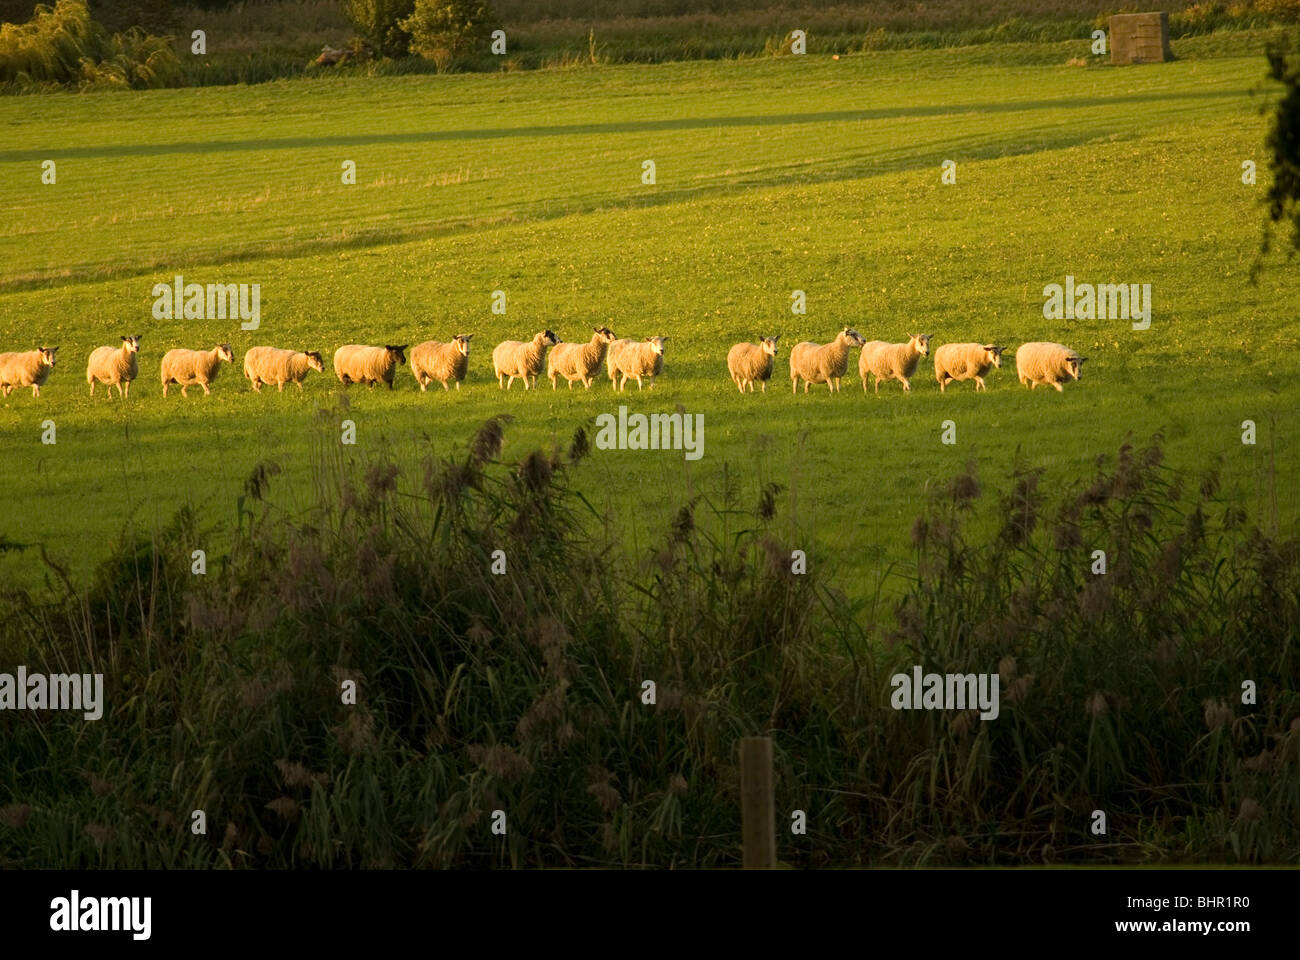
(1081, 359)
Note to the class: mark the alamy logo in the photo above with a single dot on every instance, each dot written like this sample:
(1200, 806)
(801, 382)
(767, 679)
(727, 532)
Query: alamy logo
(946, 691)
(179, 300)
(1105, 301)
(658, 431)
(75, 913)
(55, 691)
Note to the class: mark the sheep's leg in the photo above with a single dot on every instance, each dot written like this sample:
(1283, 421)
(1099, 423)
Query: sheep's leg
(907, 386)
(206, 391)
(877, 383)
(1057, 385)
(92, 388)
(164, 388)
(794, 386)
(979, 384)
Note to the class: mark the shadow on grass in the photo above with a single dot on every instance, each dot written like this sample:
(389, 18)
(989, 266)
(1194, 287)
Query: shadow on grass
(622, 126)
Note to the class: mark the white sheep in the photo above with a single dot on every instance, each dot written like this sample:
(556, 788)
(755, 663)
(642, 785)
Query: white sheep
(635, 359)
(188, 367)
(358, 363)
(28, 369)
(579, 361)
(114, 365)
(750, 362)
(435, 360)
(893, 361)
(1047, 363)
(965, 361)
(273, 365)
(513, 358)
(822, 363)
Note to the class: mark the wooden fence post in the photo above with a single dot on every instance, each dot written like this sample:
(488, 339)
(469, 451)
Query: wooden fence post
(757, 804)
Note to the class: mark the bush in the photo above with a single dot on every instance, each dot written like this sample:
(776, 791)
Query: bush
(443, 30)
(379, 23)
(64, 45)
(1286, 10)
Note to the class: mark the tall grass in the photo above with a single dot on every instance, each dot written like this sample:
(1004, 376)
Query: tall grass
(63, 45)
(523, 692)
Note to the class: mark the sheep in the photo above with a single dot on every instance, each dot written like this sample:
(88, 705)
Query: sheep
(434, 360)
(1047, 363)
(749, 362)
(579, 361)
(965, 361)
(357, 363)
(511, 359)
(114, 365)
(29, 369)
(822, 363)
(188, 367)
(635, 359)
(893, 361)
(272, 365)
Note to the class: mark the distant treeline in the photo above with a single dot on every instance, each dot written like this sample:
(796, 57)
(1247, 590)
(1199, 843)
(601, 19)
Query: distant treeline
(251, 41)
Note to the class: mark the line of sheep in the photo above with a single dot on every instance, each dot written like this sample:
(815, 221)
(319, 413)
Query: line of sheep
(1049, 364)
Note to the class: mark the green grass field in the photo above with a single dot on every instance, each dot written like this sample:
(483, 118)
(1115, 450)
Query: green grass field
(772, 175)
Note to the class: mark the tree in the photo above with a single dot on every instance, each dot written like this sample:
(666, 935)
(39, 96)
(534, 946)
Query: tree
(1284, 142)
(444, 29)
(379, 22)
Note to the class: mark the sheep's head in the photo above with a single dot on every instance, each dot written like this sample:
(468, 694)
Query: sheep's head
(462, 343)
(606, 335)
(769, 345)
(314, 361)
(853, 337)
(47, 355)
(547, 338)
(224, 352)
(1076, 367)
(656, 344)
(131, 344)
(994, 355)
(397, 353)
(920, 342)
